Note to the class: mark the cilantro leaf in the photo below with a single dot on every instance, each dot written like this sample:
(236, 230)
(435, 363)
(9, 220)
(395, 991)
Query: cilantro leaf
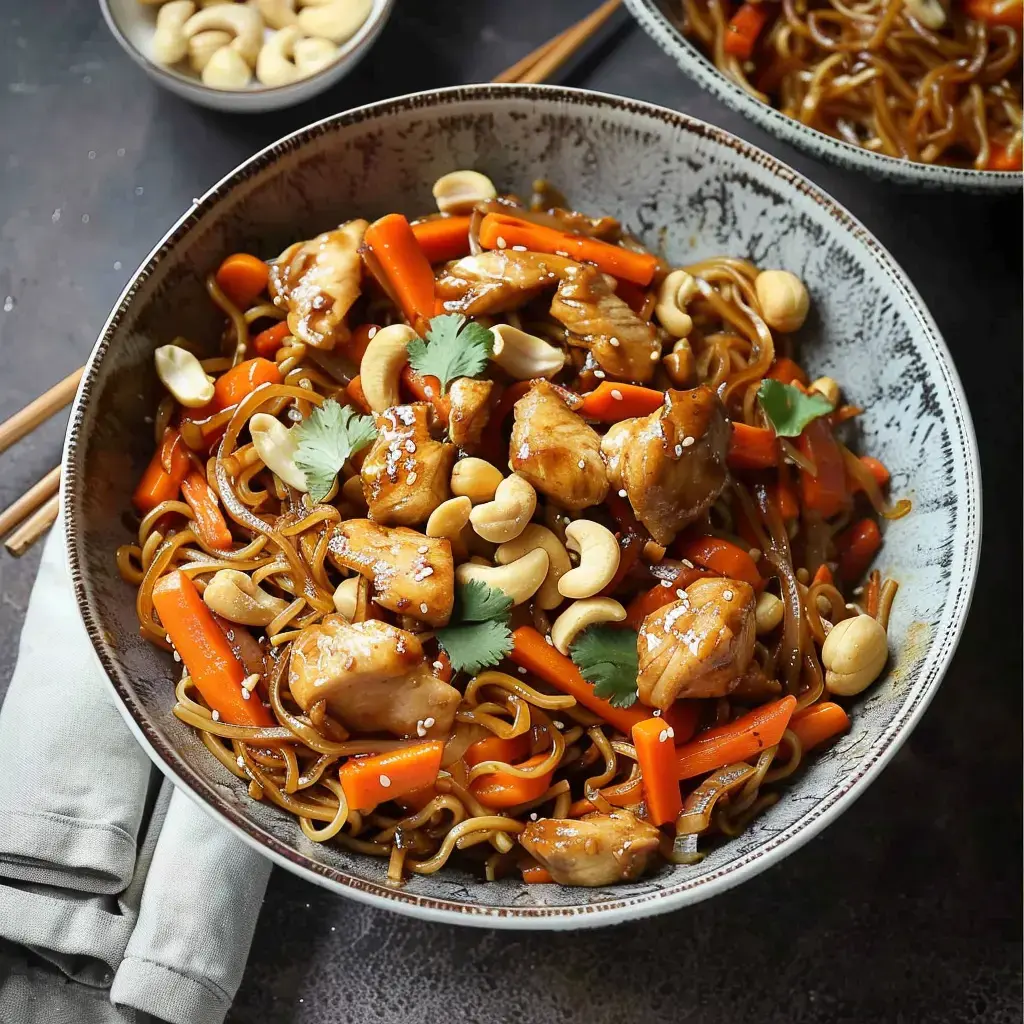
(477, 602)
(472, 645)
(325, 440)
(788, 409)
(454, 348)
(607, 658)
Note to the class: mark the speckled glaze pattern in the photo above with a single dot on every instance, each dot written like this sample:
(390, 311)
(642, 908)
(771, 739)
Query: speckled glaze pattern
(653, 18)
(659, 171)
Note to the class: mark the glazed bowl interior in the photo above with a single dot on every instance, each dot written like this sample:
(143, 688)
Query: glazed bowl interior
(659, 21)
(655, 169)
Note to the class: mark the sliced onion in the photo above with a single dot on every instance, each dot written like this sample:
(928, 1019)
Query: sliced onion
(862, 475)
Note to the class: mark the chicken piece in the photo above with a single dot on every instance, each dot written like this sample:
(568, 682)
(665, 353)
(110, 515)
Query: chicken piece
(556, 451)
(318, 281)
(470, 411)
(624, 345)
(698, 646)
(405, 475)
(411, 574)
(374, 677)
(597, 849)
(498, 280)
(672, 463)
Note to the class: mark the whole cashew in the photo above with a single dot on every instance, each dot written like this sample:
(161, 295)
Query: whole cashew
(312, 55)
(226, 69)
(581, 614)
(337, 21)
(203, 45)
(537, 536)
(674, 293)
(277, 445)
(183, 375)
(525, 356)
(460, 191)
(243, 22)
(273, 65)
(599, 559)
(233, 595)
(346, 597)
(448, 520)
(506, 517)
(518, 580)
(382, 364)
(170, 41)
(277, 13)
(475, 479)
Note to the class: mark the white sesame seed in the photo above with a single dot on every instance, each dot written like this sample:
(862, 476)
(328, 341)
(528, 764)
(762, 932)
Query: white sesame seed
(246, 695)
(687, 441)
(240, 761)
(655, 357)
(562, 253)
(671, 733)
(428, 722)
(614, 342)
(617, 394)
(423, 608)
(438, 666)
(533, 815)
(679, 450)
(519, 248)
(663, 736)
(411, 479)
(215, 715)
(727, 594)
(410, 446)
(687, 563)
(501, 242)
(422, 549)
(549, 641)
(384, 781)
(622, 492)
(175, 655)
(371, 333)
(666, 583)
(582, 464)
(421, 729)
(521, 670)
(680, 594)
(657, 712)
(559, 725)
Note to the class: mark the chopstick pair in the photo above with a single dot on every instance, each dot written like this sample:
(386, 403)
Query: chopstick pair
(31, 515)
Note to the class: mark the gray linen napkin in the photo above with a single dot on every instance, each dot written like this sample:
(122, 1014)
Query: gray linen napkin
(119, 897)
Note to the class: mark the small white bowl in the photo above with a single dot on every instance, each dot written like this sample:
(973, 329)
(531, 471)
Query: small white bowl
(133, 25)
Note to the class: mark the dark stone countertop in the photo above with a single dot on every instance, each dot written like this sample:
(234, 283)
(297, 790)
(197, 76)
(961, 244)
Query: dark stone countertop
(908, 909)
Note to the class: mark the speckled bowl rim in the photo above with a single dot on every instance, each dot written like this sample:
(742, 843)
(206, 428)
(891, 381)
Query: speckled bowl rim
(564, 917)
(654, 22)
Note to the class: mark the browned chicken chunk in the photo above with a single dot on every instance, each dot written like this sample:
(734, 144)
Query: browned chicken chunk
(405, 475)
(411, 574)
(318, 281)
(699, 646)
(671, 463)
(470, 411)
(498, 280)
(597, 849)
(556, 451)
(374, 677)
(624, 345)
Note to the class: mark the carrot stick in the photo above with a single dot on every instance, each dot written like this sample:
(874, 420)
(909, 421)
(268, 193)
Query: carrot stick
(995, 12)
(427, 389)
(785, 370)
(354, 390)
(355, 347)
(494, 748)
(743, 29)
(443, 238)
(660, 595)
(825, 492)
(752, 447)
(242, 380)
(876, 469)
(656, 753)
(500, 231)
(242, 277)
(499, 790)
(205, 650)
(784, 498)
(393, 244)
(163, 476)
(369, 781)
(872, 593)
(844, 413)
(823, 574)
(535, 873)
(208, 524)
(724, 557)
(818, 723)
(857, 546)
(267, 342)
(609, 403)
(736, 741)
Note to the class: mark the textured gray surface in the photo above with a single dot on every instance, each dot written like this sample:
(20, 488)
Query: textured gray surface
(907, 909)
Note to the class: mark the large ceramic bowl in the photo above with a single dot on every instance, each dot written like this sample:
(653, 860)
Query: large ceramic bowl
(653, 17)
(656, 169)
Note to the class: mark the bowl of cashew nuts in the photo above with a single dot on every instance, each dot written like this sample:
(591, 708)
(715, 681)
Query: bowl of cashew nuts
(246, 55)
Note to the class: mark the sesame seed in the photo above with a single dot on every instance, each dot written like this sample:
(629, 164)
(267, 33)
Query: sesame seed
(371, 333)
(175, 655)
(501, 242)
(521, 670)
(655, 357)
(666, 583)
(562, 253)
(687, 563)
(240, 761)
(727, 594)
(622, 492)
(421, 729)
(599, 374)
(755, 554)
(656, 712)
(423, 608)
(663, 736)
(519, 248)
(687, 441)
(581, 464)
(215, 715)
(617, 394)
(428, 722)
(680, 594)
(246, 695)
(411, 479)
(410, 446)
(384, 781)
(549, 641)
(614, 342)
(679, 450)
(438, 666)
(422, 549)
(533, 815)
(671, 733)
(559, 725)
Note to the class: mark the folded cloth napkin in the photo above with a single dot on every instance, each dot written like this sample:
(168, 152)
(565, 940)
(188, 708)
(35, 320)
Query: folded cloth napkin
(119, 898)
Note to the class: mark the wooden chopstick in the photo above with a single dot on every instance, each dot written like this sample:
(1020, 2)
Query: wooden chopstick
(39, 503)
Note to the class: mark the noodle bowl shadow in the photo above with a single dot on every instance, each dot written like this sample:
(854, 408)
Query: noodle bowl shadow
(651, 167)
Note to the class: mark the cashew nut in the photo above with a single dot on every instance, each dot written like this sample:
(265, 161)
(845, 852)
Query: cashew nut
(203, 45)
(337, 21)
(524, 356)
(226, 69)
(475, 479)
(673, 295)
(382, 363)
(312, 55)
(183, 375)
(170, 41)
(243, 22)
(599, 559)
(680, 364)
(460, 191)
(449, 520)
(519, 580)
(346, 596)
(854, 654)
(537, 536)
(277, 445)
(277, 13)
(767, 613)
(506, 516)
(829, 388)
(233, 595)
(581, 614)
(783, 298)
(273, 65)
